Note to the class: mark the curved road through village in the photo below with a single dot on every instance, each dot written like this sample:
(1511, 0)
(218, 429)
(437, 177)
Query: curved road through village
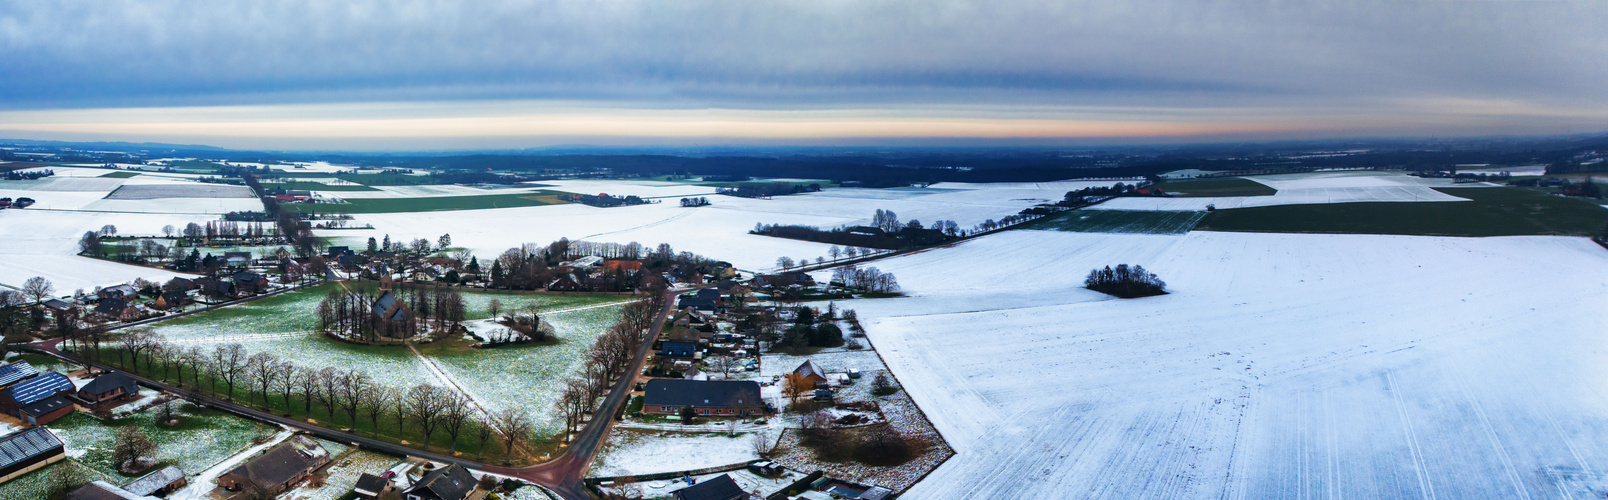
(562, 474)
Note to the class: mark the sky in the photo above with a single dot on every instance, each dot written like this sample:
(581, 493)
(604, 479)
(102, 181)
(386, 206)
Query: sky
(365, 75)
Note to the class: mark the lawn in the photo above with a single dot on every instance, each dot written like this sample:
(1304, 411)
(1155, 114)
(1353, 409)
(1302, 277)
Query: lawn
(1119, 221)
(36, 484)
(1492, 212)
(1207, 188)
(200, 439)
(121, 174)
(315, 186)
(430, 204)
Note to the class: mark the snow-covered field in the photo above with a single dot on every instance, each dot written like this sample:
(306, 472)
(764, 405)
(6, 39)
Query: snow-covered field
(1321, 187)
(1280, 366)
(45, 243)
(42, 240)
(718, 231)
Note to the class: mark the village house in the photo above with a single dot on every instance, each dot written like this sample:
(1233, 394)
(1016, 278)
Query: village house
(58, 306)
(108, 387)
(250, 282)
(452, 482)
(720, 487)
(628, 267)
(678, 350)
(810, 374)
(237, 260)
(117, 292)
(738, 398)
(707, 299)
(275, 471)
(170, 300)
(38, 400)
(567, 282)
(28, 450)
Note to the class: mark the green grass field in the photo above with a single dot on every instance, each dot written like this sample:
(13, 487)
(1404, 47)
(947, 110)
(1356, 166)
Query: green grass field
(1492, 212)
(430, 204)
(387, 179)
(315, 186)
(121, 174)
(1119, 221)
(1204, 188)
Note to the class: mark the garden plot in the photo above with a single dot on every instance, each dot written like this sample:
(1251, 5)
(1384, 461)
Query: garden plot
(631, 452)
(342, 474)
(1279, 366)
(1321, 187)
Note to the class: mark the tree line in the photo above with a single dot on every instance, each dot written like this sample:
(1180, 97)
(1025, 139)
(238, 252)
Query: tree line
(272, 384)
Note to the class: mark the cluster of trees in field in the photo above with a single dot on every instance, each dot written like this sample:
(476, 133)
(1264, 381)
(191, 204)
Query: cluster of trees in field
(606, 361)
(521, 327)
(1124, 281)
(695, 202)
(349, 314)
(810, 329)
(21, 311)
(532, 266)
(885, 232)
(270, 383)
(604, 201)
(1084, 195)
(28, 175)
(869, 279)
(766, 189)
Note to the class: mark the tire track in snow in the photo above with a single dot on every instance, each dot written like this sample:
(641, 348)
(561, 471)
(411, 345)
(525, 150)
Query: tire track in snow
(452, 383)
(650, 224)
(1490, 434)
(1424, 484)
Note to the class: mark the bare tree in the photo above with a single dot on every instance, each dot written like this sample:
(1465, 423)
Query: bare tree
(228, 363)
(286, 379)
(425, 404)
(725, 365)
(353, 389)
(262, 368)
(38, 288)
(329, 388)
(307, 382)
(494, 307)
(376, 401)
(762, 442)
(130, 446)
(168, 230)
(516, 426)
(483, 429)
(456, 410)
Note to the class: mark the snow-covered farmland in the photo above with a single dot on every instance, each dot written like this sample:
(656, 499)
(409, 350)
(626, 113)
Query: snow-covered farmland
(1321, 187)
(719, 230)
(1279, 366)
(45, 243)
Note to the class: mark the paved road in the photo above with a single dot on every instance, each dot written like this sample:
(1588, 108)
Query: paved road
(562, 474)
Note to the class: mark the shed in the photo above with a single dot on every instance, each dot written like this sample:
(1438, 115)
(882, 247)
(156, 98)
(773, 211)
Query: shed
(452, 482)
(161, 482)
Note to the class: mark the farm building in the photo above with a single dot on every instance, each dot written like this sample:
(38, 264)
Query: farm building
(283, 465)
(39, 400)
(102, 490)
(706, 397)
(28, 450)
(14, 372)
(162, 482)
